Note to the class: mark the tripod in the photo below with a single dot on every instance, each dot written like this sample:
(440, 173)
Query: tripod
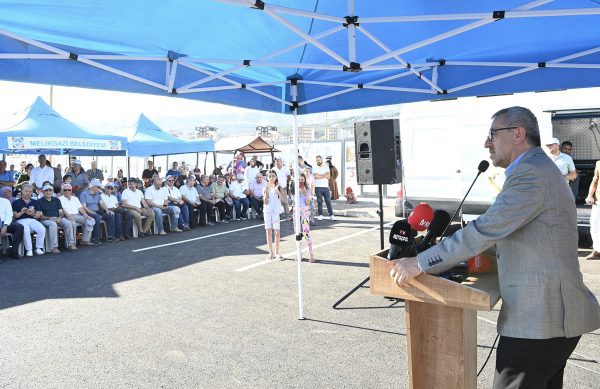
(381, 236)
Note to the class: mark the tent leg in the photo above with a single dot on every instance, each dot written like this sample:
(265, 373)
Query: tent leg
(198, 161)
(205, 158)
(128, 167)
(297, 227)
(215, 159)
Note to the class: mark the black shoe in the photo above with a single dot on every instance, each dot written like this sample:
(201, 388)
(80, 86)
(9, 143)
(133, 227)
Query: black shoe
(15, 256)
(141, 235)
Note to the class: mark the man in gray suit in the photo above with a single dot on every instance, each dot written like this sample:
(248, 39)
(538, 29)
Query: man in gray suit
(533, 222)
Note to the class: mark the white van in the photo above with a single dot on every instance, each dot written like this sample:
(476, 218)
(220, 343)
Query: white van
(443, 144)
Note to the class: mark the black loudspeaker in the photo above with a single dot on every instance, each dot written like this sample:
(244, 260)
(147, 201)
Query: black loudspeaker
(378, 158)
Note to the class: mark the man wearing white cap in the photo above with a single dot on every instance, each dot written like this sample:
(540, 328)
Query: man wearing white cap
(53, 216)
(238, 191)
(73, 210)
(91, 200)
(80, 181)
(563, 161)
(157, 197)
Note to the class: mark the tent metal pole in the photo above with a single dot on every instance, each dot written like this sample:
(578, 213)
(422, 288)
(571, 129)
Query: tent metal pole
(128, 168)
(214, 159)
(302, 34)
(198, 161)
(297, 227)
(205, 158)
(527, 69)
(266, 57)
(447, 34)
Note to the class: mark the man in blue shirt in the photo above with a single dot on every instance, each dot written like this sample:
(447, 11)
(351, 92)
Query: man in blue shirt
(53, 216)
(91, 200)
(174, 171)
(80, 181)
(7, 178)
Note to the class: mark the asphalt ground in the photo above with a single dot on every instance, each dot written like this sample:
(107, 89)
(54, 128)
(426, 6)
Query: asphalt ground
(202, 309)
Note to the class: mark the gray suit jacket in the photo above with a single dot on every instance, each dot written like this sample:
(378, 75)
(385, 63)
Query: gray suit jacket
(533, 223)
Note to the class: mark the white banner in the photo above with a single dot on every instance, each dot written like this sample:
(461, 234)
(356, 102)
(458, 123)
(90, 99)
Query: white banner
(41, 143)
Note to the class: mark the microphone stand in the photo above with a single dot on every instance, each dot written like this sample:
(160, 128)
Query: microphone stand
(461, 203)
(382, 243)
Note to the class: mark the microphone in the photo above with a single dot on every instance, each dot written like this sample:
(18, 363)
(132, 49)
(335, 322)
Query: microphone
(421, 217)
(482, 167)
(441, 218)
(401, 239)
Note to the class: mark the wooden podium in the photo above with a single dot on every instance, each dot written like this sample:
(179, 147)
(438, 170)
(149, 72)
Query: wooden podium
(441, 323)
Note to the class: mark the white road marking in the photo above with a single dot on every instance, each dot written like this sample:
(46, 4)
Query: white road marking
(198, 238)
(293, 253)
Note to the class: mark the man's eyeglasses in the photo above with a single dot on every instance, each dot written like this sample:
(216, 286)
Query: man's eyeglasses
(493, 132)
(67, 190)
(46, 190)
(170, 181)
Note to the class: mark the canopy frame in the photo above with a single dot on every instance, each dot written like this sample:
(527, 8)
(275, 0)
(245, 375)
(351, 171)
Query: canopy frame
(342, 63)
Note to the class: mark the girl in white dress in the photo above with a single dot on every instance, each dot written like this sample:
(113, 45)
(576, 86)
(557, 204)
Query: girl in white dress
(272, 198)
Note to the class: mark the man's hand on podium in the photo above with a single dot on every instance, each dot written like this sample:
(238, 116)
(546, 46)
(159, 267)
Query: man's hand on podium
(404, 270)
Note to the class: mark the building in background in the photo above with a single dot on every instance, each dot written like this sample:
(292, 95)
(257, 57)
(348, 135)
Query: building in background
(306, 134)
(206, 132)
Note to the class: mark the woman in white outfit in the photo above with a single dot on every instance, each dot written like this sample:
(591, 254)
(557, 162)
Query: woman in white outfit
(26, 212)
(272, 198)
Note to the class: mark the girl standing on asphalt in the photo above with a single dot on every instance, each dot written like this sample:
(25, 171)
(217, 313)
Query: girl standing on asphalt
(304, 208)
(272, 198)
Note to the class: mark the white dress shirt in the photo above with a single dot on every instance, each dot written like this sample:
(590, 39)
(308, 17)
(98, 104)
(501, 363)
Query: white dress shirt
(6, 212)
(40, 175)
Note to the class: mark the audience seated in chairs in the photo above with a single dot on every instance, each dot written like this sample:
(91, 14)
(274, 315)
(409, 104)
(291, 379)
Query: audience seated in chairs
(191, 197)
(73, 210)
(157, 198)
(91, 200)
(26, 212)
(123, 220)
(175, 201)
(239, 191)
(132, 199)
(225, 204)
(10, 227)
(52, 217)
(257, 187)
(207, 199)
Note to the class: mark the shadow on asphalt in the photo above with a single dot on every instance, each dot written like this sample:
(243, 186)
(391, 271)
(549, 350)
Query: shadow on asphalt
(356, 327)
(92, 272)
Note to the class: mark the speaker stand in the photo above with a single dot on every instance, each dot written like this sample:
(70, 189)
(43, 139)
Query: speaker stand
(382, 244)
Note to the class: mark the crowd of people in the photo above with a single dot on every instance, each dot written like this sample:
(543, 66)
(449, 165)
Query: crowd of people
(74, 207)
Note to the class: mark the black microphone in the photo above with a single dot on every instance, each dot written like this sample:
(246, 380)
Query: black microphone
(401, 239)
(482, 167)
(438, 224)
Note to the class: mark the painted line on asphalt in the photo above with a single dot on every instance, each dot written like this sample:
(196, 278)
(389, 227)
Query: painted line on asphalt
(198, 238)
(293, 253)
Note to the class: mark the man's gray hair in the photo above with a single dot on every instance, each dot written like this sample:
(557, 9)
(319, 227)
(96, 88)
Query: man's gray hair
(521, 117)
(23, 186)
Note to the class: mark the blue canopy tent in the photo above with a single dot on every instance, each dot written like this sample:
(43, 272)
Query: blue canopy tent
(303, 57)
(147, 139)
(40, 129)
